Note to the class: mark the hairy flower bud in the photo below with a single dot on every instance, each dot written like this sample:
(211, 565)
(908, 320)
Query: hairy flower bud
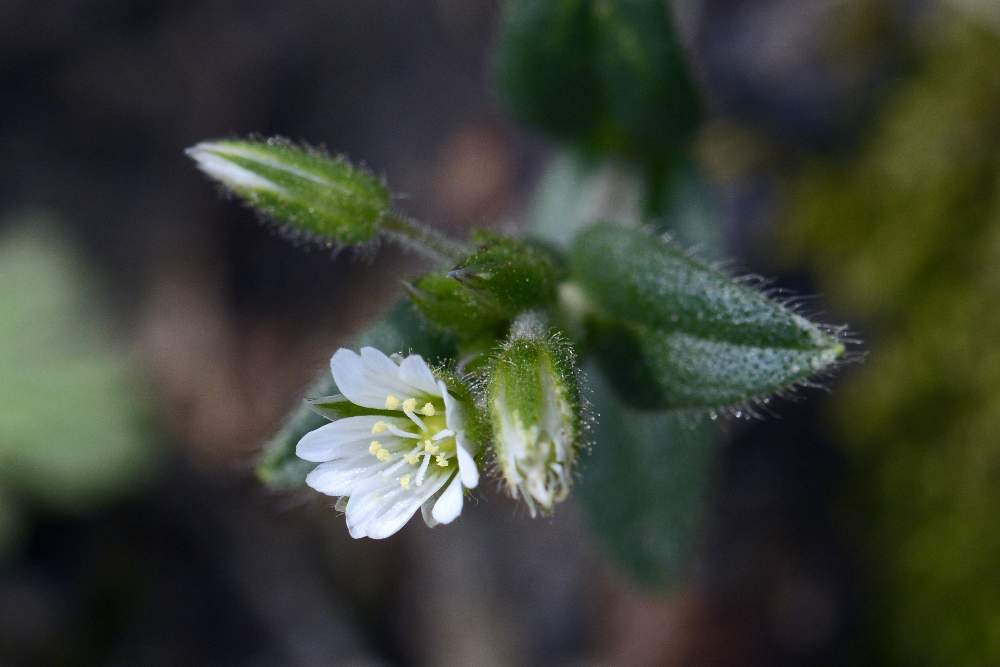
(534, 408)
(304, 189)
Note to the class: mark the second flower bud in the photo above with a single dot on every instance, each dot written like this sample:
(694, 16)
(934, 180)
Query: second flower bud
(534, 406)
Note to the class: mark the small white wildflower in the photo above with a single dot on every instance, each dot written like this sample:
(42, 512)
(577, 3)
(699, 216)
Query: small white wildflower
(409, 452)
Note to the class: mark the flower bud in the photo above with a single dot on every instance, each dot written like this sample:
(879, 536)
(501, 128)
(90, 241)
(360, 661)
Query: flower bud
(535, 413)
(302, 188)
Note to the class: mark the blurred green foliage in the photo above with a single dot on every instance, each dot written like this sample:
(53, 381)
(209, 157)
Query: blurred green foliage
(645, 485)
(606, 76)
(907, 235)
(71, 429)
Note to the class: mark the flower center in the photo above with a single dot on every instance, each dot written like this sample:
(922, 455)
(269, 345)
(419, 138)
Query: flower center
(424, 440)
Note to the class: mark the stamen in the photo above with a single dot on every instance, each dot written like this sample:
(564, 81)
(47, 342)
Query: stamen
(415, 419)
(441, 461)
(423, 469)
(430, 447)
(428, 410)
(379, 427)
(391, 402)
(383, 454)
(413, 456)
(404, 481)
(445, 433)
(374, 447)
(410, 405)
(395, 430)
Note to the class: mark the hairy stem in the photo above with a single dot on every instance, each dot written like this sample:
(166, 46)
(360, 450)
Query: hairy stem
(431, 243)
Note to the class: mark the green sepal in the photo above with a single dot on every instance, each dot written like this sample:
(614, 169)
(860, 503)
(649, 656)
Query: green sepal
(673, 332)
(337, 406)
(480, 296)
(453, 307)
(402, 330)
(516, 275)
(301, 188)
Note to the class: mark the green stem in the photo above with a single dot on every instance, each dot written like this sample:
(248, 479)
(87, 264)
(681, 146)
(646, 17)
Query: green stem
(430, 242)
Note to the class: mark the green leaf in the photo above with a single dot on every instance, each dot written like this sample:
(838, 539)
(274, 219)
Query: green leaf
(673, 332)
(302, 188)
(650, 95)
(607, 76)
(645, 485)
(402, 330)
(545, 70)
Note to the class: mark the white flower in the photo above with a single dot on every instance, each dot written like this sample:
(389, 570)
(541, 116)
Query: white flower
(409, 452)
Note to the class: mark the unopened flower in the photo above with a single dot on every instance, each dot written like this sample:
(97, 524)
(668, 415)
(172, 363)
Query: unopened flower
(306, 191)
(535, 413)
(403, 447)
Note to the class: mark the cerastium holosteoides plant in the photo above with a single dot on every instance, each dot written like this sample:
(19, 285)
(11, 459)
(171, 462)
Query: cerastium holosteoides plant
(514, 356)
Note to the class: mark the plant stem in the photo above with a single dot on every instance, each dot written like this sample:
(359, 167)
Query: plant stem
(426, 240)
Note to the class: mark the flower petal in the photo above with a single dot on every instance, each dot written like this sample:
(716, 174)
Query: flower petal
(414, 371)
(340, 478)
(337, 439)
(366, 383)
(378, 363)
(452, 409)
(382, 511)
(425, 512)
(449, 505)
(467, 469)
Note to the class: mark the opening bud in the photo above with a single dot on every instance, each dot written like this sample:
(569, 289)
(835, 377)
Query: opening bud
(534, 406)
(311, 193)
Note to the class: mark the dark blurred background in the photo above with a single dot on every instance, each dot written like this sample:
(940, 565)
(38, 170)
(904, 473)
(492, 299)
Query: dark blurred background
(853, 148)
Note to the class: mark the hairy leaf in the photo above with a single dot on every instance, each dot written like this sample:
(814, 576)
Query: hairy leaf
(674, 332)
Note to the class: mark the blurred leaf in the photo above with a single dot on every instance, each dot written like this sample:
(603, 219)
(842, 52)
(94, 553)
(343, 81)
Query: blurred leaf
(544, 67)
(645, 484)
(71, 432)
(673, 332)
(606, 76)
(403, 331)
(644, 73)
(907, 233)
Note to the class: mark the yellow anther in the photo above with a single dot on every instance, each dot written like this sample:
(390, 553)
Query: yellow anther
(441, 461)
(379, 427)
(410, 405)
(383, 454)
(391, 402)
(374, 447)
(404, 481)
(428, 410)
(412, 459)
(430, 447)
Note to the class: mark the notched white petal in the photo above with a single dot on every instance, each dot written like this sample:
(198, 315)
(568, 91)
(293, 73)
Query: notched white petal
(467, 469)
(414, 371)
(449, 505)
